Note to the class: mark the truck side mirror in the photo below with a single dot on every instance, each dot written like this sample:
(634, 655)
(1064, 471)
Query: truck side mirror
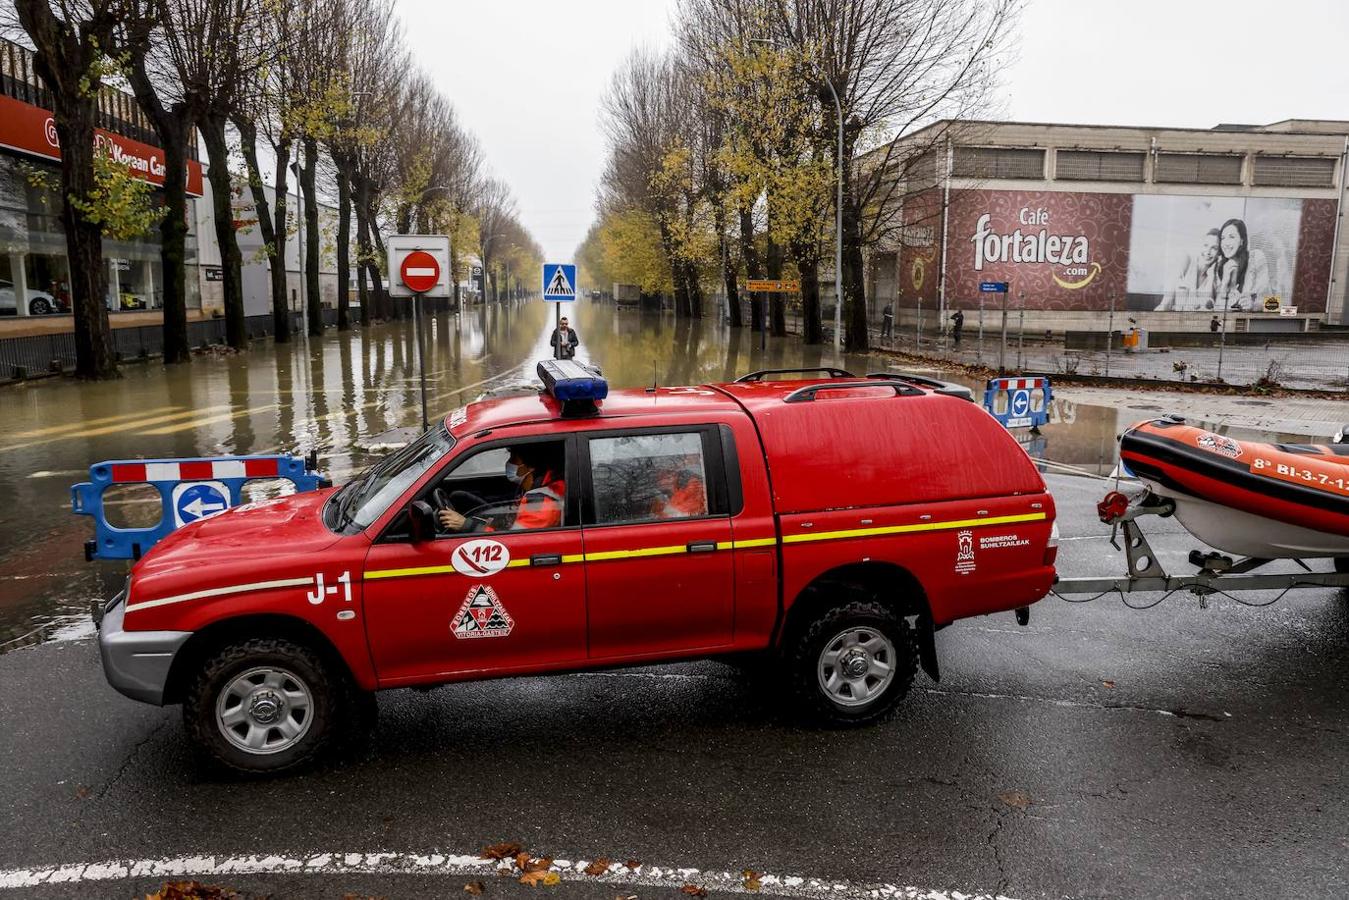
(422, 519)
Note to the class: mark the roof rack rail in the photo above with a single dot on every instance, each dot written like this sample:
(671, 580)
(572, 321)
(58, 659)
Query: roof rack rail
(949, 388)
(759, 375)
(800, 395)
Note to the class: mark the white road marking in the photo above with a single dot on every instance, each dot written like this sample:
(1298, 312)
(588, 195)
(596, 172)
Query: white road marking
(336, 863)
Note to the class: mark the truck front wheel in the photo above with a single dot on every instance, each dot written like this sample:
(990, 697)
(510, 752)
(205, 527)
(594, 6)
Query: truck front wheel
(852, 664)
(263, 706)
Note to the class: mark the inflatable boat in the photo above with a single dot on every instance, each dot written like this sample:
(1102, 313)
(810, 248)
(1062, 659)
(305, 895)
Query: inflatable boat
(1266, 501)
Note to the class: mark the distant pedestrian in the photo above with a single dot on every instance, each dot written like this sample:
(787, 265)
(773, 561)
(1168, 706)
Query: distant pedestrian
(957, 326)
(1214, 325)
(888, 321)
(564, 340)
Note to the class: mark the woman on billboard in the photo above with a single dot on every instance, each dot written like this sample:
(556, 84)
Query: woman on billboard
(1196, 284)
(1243, 272)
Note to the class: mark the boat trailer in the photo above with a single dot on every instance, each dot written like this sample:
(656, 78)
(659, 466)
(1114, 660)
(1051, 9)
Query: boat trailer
(1218, 574)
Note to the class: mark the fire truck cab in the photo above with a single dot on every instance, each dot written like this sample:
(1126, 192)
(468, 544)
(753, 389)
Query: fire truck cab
(827, 523)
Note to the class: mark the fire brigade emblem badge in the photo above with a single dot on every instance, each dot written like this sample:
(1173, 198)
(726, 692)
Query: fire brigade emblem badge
(482, 615)
(965, 552)
(1217, 443)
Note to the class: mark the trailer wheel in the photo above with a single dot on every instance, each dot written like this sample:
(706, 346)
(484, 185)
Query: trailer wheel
(852, 664)
(1342, 565)
(263, 706)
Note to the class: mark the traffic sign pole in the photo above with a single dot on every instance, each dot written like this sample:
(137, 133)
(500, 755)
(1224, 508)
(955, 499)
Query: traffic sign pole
(419, 331)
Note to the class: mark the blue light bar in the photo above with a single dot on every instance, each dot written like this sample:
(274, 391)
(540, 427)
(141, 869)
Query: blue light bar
(569, 381)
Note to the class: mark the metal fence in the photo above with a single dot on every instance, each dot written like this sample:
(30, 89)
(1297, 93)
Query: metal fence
(1233, 351)
(43, 354)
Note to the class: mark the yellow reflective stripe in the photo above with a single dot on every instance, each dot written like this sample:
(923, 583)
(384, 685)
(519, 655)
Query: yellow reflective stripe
(753, 542)
(515, 563)
(630, 554)
(403, 573)
(903, 529)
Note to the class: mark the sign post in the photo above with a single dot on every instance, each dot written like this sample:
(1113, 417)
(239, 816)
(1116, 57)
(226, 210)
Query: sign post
(999, 287)
(559, 286)
(419, 266)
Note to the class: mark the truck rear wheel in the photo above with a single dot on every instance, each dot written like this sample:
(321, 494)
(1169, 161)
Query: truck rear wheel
(852, 664)
(263, 706)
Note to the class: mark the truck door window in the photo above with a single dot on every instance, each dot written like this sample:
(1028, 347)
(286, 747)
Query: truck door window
(648, 477)
(479, 488)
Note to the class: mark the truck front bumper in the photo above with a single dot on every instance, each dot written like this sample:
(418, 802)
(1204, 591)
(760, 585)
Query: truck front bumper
(136, 663)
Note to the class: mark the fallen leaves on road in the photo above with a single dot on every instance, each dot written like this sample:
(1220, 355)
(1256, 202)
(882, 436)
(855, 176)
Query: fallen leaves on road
(752, 882)
(1015, 799)
(633, 864)
(1109, 684)
(190, 890)
(694, 890)
(540, 876)
(526, 864)
(500, 851)
(475, 888)
(598, 866)
(83, 792)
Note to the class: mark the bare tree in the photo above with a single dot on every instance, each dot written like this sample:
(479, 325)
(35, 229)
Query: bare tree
(894, 65)
(495, 209)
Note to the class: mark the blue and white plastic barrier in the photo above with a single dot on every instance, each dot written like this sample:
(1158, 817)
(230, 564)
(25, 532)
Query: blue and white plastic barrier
(189, 489)
(1021, 402)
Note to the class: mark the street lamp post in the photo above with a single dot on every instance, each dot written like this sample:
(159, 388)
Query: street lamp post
(838, 206)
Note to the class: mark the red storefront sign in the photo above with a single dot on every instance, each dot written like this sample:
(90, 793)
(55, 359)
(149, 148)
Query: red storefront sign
(32, 130)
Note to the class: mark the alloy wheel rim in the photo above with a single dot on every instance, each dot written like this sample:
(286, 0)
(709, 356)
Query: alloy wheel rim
(264, 710)
(856, 666)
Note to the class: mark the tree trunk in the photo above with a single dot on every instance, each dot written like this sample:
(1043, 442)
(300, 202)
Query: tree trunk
(313, 299)
(728, 277)
(775, 272)
(281, 318)
(343, 251)
(808, 267)
(694, 288)
(363, 252)
(231, 260)
(857, 336)
(276, 250)
(173, 236)
(172, 126)
(753, 267)
(386, 307)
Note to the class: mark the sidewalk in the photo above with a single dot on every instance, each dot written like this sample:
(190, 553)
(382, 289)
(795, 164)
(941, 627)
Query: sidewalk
(1312, 418)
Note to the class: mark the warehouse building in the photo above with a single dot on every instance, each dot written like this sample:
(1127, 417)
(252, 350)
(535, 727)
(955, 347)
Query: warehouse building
(1172, 227)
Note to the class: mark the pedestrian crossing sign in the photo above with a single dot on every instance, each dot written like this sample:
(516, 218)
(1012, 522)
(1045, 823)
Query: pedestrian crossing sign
(559, 282)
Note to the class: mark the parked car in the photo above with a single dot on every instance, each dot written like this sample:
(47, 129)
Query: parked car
(40, 303)
(828, 525)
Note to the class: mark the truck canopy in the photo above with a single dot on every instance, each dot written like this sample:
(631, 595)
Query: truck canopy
(833, 447)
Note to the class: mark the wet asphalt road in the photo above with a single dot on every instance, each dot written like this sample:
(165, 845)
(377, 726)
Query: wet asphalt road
(1100, 752)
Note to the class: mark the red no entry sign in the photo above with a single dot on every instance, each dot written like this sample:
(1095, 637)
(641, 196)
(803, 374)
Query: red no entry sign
(420, 271)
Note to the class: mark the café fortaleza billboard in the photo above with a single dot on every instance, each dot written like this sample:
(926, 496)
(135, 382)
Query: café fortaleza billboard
(1064, 250)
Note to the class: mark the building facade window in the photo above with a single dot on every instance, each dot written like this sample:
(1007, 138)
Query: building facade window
(1293, 171)
(1099, 165)
(1198, 168)
(998, 162)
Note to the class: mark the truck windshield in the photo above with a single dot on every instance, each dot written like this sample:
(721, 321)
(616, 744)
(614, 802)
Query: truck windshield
(364, 499)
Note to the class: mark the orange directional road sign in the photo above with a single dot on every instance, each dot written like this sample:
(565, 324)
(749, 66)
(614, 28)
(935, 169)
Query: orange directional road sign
(773, 286)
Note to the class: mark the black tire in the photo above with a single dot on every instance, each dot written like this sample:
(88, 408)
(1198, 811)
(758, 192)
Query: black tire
(1342, 565)
(39, 306)
(803, 660)
(329, 696)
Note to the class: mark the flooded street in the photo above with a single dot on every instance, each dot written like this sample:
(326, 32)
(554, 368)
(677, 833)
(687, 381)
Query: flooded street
(331, 394)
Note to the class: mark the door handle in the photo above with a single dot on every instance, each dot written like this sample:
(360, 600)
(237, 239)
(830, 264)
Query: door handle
(701, 546)
(546, 559)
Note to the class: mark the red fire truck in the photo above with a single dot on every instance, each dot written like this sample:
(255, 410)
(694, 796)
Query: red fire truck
(824, 522)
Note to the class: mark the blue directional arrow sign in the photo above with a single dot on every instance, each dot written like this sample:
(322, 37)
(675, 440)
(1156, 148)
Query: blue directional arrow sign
(559, 282)
(1020, 403)
(199, 500)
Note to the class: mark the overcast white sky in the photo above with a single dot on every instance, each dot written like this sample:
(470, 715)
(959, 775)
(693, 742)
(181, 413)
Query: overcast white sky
(527, 76)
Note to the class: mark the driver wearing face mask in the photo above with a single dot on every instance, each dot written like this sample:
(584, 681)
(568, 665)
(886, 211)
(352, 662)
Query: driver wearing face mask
(541, 494)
